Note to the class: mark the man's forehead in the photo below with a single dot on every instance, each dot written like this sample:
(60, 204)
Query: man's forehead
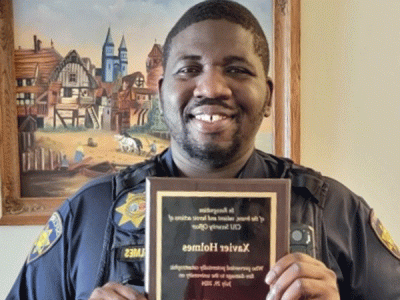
(208, 30)
(207, 37)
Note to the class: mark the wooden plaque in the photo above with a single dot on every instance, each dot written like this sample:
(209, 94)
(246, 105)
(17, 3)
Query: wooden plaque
(214, 239)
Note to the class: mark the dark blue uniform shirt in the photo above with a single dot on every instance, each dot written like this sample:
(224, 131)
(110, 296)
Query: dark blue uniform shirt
(83, 244)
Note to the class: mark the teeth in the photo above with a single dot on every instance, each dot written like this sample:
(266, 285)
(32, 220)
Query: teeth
(210, 118)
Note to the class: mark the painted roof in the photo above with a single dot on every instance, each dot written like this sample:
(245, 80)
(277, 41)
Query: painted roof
(72, 57)
(109, 40)
(156, 51)
(123, 44)
(27, 61)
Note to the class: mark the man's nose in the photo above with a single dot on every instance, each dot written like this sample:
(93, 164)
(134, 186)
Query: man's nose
(212, 84)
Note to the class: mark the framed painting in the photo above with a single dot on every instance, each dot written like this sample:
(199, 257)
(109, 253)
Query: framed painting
(78, 99)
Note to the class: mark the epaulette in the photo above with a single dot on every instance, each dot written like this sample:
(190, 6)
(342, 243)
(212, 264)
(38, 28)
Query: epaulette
(309, 181)
(136, 174)
(304, 180)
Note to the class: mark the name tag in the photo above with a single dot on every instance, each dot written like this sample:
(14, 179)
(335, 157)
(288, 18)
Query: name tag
(131, 253)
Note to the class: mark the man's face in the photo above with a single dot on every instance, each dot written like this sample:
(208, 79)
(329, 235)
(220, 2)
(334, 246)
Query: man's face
(215, 92)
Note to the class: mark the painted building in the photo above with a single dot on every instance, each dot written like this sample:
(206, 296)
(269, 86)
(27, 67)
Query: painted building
(34, 92)
(134, 100)
(76, 103)
(154, 67)
(113, 65)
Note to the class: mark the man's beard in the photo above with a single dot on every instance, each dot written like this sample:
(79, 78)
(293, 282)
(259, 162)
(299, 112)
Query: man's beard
(212, 154)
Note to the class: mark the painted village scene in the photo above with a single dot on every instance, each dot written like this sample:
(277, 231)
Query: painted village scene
(78, 119)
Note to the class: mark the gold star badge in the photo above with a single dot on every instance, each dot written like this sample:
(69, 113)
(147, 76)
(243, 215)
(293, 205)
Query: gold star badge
(43, 241)
(47, 237)
(133, 210)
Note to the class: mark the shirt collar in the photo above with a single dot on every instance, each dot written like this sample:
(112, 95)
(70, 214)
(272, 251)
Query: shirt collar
(263, 165)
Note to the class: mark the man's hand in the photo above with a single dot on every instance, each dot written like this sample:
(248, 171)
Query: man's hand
(299, 276)
(115, 291)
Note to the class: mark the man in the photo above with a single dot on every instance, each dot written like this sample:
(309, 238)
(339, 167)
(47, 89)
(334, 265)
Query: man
(214, 94)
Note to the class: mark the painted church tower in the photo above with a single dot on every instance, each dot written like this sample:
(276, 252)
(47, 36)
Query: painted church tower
(123, 57)
(107, 59)
(113, 66)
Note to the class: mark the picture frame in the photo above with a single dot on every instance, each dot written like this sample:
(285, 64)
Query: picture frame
(17, 210)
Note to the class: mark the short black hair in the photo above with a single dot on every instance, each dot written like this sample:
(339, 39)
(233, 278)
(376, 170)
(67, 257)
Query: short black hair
(221, 10)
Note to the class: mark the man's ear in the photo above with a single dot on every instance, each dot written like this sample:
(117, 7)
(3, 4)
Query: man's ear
(160, 83)
(268, 105)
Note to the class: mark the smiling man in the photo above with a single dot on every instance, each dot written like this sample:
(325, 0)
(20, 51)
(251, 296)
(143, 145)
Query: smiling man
(214, 94)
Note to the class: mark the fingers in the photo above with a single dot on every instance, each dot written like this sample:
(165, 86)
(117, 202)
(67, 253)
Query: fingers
(115, 291)
(308, 289)
(298, 276)
(293, 262)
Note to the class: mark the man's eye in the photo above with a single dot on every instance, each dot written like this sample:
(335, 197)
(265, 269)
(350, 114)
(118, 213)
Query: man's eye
(188, 70)
(238, 71)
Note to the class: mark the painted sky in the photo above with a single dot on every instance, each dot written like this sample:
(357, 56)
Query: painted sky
(83, 25)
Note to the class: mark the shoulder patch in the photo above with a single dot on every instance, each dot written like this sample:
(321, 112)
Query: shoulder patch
(384, 235)
(47, 238)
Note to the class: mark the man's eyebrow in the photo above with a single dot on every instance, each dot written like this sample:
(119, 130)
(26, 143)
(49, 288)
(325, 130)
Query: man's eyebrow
(190, 57)
(226, 60)
(233, 58)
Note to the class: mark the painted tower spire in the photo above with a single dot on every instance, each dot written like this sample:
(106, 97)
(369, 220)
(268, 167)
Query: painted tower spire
(123, 57)
(109, 40)
(107, 58)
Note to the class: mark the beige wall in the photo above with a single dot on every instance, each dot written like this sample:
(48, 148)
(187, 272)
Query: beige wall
(350, 98)
(15, 243)
(350, 110)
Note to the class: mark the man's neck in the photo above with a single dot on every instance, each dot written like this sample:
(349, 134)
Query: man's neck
(196, 168)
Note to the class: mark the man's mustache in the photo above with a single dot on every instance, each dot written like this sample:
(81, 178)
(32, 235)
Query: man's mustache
(211, 101)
